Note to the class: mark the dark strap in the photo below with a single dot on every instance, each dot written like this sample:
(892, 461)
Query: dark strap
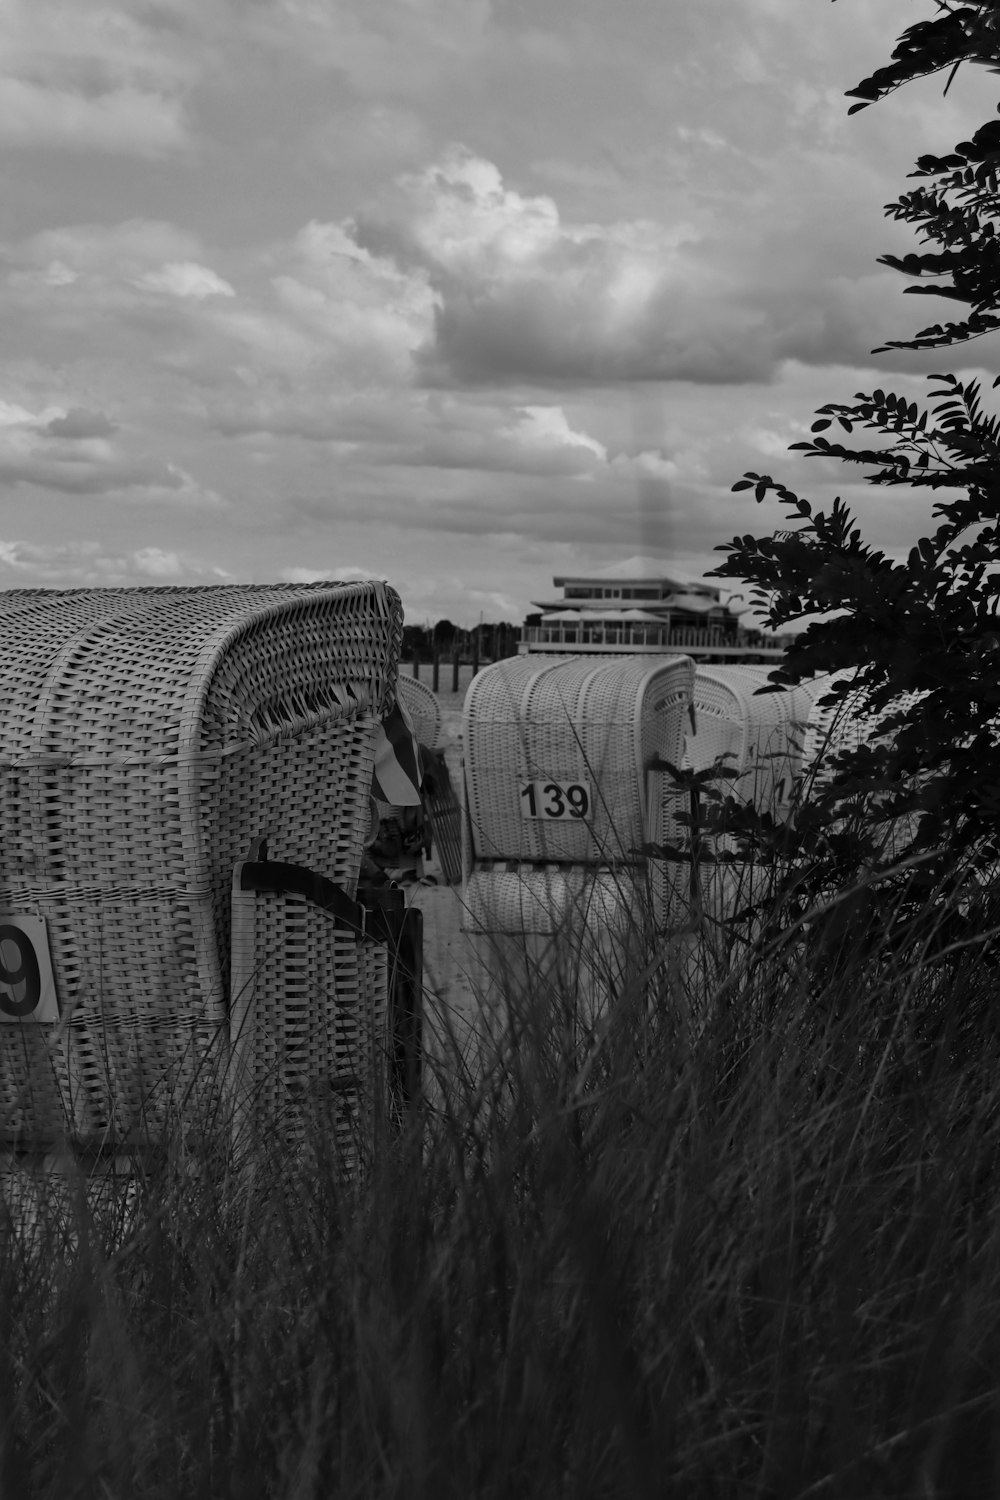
(273, 875)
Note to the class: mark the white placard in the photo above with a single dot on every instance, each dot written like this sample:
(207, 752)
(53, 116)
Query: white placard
(27, 988)
(555, 801)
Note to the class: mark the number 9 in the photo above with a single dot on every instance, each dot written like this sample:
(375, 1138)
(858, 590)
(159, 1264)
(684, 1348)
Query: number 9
(579, 802)
(26, 973)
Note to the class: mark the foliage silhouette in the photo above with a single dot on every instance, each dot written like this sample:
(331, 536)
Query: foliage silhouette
(927, 627)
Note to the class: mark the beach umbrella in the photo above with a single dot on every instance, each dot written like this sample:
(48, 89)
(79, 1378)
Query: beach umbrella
(644, 617)
(561, 614)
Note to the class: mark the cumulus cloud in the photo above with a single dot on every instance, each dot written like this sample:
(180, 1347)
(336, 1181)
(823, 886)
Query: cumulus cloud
(523, 294)
(357, 309)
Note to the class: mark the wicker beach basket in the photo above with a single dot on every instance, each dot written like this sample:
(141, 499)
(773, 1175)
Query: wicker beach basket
(589, 727)
(148, 737)
(760, 734)
(563, 787)
(758, 738)
(424, 710)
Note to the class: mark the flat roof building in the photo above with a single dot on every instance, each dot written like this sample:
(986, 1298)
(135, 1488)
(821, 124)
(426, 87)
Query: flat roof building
(635, 606)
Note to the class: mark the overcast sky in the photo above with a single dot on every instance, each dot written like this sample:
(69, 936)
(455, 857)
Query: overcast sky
(460, 293)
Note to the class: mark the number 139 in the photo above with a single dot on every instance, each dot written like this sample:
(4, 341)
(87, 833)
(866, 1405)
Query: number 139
(555, 800)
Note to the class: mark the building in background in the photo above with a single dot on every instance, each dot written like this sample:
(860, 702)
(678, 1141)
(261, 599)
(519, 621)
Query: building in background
(634, 606)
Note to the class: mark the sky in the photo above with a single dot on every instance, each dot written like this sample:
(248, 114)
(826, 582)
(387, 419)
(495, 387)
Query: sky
(463, 294)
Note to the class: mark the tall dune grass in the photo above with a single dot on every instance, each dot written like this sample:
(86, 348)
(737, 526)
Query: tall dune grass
(734, 1232)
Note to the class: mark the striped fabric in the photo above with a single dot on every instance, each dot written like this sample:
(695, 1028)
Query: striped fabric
(397, 761)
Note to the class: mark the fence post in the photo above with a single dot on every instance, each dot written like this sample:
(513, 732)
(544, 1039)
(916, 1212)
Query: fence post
(435, 669)
(416, 665)
(475, 654)
(454, 672)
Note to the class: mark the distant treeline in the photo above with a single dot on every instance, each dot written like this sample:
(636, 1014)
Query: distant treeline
(491, 641)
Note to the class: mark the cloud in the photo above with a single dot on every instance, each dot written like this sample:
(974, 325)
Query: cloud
(138, 300)
(334, 573)
(72, 452)
(78, 259)
(379, 51)
(80, 423)
(354, 307)
(93, 77)
(121, 121)
(447, 431)
(523, 295)
(88, 564)
(186, 279)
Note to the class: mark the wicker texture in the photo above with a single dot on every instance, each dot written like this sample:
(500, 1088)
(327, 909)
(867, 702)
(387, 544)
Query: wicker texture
(547, 900)
(423, 708)
(148, 736)
(569, 720)
(762, 736)
(308, 1021)
(568, 936)
(834, 728)
(444, 814)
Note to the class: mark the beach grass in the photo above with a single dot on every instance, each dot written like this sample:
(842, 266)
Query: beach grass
(731, 1228)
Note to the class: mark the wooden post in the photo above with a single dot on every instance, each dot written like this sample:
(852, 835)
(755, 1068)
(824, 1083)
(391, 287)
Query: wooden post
(416, 665)
(475, 652)
(435, 669)
(454, 672)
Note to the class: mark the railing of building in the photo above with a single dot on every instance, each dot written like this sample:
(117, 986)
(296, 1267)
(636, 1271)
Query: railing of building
(637, 636)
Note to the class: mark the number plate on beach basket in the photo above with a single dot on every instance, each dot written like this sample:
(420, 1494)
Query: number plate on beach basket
(149, 736)
(557, 751)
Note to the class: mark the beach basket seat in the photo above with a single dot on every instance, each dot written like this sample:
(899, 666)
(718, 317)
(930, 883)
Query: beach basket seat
(565, 932)
(558, 751)
(760, 734)
(149, 736)
(832, 728)
(424, 710)
(759, 737)
(303, 1060)
(836, 727)
(444, 814)
(562, 784)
